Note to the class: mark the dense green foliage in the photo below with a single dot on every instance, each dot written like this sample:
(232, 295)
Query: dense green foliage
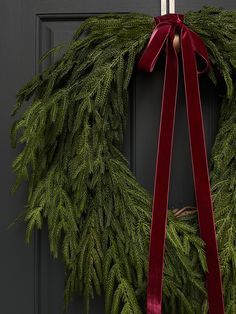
(224, 188)
(98, 216)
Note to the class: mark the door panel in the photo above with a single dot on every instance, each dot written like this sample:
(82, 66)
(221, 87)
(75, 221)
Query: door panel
(31, 281)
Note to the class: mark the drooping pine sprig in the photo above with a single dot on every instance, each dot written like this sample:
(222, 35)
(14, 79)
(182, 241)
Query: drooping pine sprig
(224, 188)
(98, 216)
(217, 27)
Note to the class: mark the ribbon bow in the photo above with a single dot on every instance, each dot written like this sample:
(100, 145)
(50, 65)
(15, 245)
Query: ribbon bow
(191, 47)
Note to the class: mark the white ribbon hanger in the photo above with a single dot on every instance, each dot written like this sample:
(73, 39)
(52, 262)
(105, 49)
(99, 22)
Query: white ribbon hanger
(167, 9)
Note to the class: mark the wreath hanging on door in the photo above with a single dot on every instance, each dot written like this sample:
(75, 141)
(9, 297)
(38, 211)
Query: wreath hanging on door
(98, 216)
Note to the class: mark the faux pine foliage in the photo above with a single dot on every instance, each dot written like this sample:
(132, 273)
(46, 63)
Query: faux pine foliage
(224, 189)
(98, 216)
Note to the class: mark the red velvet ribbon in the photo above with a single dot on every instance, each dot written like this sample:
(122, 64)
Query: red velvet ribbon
(192, 47)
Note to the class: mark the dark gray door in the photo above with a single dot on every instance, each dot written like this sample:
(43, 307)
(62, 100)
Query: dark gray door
(31, 282)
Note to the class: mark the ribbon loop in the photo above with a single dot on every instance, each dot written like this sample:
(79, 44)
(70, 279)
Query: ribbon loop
(191, 46)
(200, 49)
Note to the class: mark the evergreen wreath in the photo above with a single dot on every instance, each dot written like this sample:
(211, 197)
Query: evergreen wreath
(98, 216)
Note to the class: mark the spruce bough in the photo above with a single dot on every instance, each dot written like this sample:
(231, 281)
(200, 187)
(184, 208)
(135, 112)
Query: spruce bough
(79, 184)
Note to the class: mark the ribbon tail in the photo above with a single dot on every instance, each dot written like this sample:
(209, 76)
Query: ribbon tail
(201, 176)
(161, 186)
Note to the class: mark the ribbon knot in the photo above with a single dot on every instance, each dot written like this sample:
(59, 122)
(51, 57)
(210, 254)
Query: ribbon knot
(166, 28)
(172, 19)
(192, 47)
